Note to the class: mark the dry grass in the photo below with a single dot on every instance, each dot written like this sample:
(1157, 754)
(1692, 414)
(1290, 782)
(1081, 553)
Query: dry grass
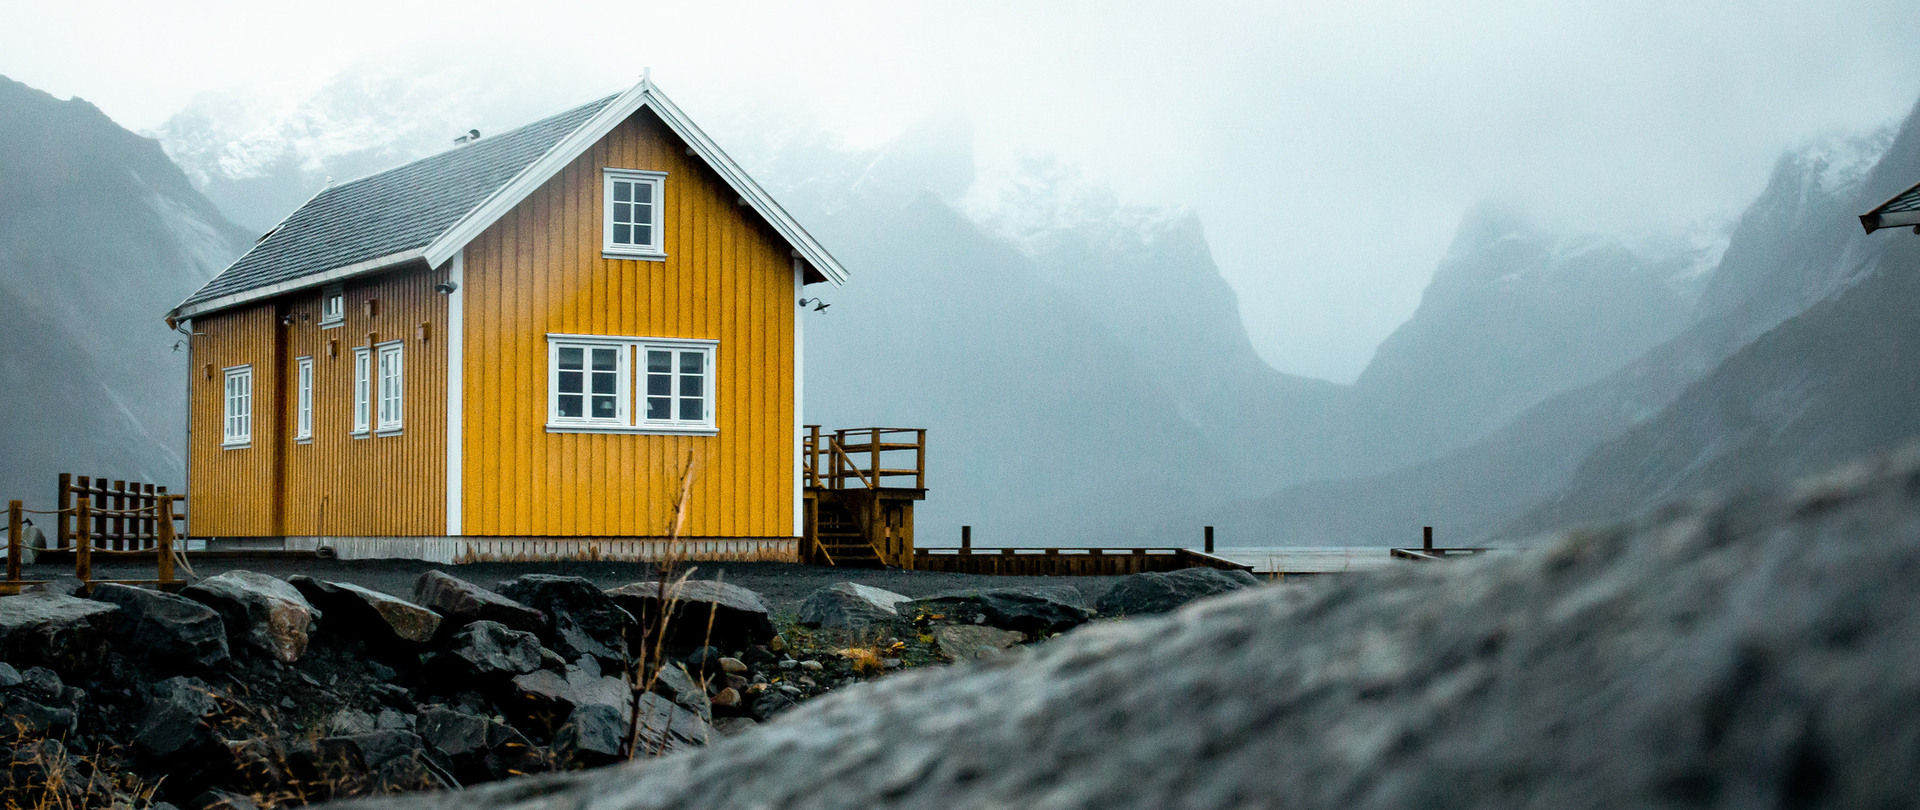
(42, 774)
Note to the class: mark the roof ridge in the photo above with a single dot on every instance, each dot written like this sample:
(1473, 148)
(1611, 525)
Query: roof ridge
(469, 146)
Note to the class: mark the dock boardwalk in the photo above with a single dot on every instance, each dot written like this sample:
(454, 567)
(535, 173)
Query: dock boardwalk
(1065, 561)
(1312, 559)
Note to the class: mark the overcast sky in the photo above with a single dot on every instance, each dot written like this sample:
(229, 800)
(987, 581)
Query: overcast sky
(1329, 147)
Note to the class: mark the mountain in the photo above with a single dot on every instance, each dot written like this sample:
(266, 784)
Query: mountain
(1801, 228)
(99, 235)
(1833, 383)
(1517, 312)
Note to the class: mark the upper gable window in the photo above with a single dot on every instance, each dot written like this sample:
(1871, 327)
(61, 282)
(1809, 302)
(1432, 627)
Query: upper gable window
(633, 214)
(333, 304)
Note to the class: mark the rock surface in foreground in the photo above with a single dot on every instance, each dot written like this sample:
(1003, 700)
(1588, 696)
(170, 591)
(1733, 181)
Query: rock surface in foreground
(1755, 654)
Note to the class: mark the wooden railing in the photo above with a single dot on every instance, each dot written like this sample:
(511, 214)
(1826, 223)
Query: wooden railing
(139, 522)
(862, 455)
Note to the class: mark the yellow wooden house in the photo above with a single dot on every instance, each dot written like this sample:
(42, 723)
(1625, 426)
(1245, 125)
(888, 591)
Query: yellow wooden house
(513, 350)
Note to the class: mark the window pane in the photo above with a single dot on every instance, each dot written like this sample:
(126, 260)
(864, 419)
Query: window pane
(690, 385)
(604, 359)
(623, 234)
(693, 362)
(603, 382)
(622, 212)
(659, 407)
(604, 407)
(571, 357)
(659, 361)
(571, 382)
(642, 234)
(622, 191)
(570, 405)
(659, 384)
(643, 192)
(690, 409)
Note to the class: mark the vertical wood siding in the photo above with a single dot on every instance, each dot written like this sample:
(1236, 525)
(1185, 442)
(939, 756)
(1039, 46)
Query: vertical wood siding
(336, 484)
(539, 270)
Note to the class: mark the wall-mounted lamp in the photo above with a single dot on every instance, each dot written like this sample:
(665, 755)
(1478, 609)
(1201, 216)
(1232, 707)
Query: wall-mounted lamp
(445, 287)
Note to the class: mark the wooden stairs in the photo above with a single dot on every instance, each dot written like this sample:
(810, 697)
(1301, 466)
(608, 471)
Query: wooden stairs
(859, 509)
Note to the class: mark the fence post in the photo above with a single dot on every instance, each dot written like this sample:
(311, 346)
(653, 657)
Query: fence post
(1427, 544)
(165, 530)
(83, 541)
(15, 536)
(60, 531)
(1209, 539)
(966, 539)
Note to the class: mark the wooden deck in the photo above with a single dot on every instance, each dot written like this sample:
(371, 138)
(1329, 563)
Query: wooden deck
(1065, 562)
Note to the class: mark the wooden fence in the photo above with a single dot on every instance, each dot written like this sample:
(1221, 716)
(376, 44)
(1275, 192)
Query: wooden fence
(123, 520)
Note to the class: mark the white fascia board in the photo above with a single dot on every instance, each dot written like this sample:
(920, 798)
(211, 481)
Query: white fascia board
(583, 138)
(295, 284)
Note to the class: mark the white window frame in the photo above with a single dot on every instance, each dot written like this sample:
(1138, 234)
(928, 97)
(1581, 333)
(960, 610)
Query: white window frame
(362, 390)
(333, 305)
(390, 402)
(237, 412)
(632, 384)
(303, 400)
(623, 384)
(656, 248)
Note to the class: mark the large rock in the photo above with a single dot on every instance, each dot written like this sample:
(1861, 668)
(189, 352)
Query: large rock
(260, 611)
(489, 649)
(60, 632)
(1163, 592)
(473, 748)
(1756, 653)
(544, 698)
(368, 614)
(581, 618)
(965, 642)
(846, 606)
(178, 722)
(705, 612)
(1034, 611)
(460, 602)
(164, 630)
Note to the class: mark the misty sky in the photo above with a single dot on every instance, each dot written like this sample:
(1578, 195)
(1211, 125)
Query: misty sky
(1329, 147)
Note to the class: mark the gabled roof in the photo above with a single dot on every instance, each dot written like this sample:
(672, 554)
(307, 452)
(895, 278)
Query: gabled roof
(1903, 209)
(429, 209)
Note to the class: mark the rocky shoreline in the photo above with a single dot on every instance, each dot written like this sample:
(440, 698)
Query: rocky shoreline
(250, 690)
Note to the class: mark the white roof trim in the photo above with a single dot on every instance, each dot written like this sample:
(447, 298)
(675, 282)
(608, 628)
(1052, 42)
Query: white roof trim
(292, 284)
(644, 94)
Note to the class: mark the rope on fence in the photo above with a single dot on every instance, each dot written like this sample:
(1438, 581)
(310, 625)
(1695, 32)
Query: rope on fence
(93, 510)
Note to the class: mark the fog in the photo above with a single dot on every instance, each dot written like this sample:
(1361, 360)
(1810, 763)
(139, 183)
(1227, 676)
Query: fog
(1329, 148)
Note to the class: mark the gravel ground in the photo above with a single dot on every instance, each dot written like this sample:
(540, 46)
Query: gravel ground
(783, 585)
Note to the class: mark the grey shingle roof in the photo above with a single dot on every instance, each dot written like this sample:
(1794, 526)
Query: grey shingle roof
(1903, 209)
(394, 211)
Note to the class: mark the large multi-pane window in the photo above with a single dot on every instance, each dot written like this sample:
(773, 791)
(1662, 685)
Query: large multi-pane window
(237, 429)
(392, 387)
(592, 384)
(362, 388)
(303, 399)
(633, 213)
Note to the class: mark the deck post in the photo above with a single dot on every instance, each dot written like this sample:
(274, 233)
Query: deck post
(60, 532)
(1427, 544)
(966, 539)
(165, 541)
(15, 536)
(1209, 539)
(83, 541)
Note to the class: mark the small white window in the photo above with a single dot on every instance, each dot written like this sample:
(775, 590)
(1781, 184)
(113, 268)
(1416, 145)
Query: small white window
(303, 399)
(608, 384)
(362, 366)
(238, 430)
(392, 386)
(333, 305)
(634, 213)
(588, 384)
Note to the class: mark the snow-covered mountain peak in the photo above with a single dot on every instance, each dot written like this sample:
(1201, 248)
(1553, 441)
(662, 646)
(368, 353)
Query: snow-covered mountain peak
(1039, 198)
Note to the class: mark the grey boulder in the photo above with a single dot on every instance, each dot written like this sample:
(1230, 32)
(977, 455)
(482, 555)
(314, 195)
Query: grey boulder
(965, 642)
(581, 618)
(489, 649)
(367, 613)
(63, 633)
(705, 612)
(460, 602)
(1035, 612)
(164, 630)
(847, 606)
(1757, 652)
(259, 611)
(1164, 592)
